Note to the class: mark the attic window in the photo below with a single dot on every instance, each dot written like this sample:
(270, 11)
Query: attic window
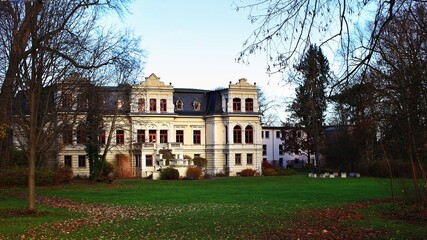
(179, 105)
(196, 105)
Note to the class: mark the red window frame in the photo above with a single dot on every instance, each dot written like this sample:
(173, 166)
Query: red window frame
(163, 105)
(249, 105)
(67, 138)
(197, 136)
(153, 105)
(249, 135)
(140, 135)
(237, 105)
(120, 137)
(81, 135)
(152, 135)
(179, 136)
(101, 137)
(163, 136)
(141, 105)
(237, 134)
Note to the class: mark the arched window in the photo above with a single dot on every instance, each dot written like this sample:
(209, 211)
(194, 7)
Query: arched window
(141, 105)
(237, 134)
(179, 105)
(237, 105)
(249, 134)
(196, 105)
(249, 105)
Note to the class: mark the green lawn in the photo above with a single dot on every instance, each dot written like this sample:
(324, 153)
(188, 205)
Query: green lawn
(206, 209)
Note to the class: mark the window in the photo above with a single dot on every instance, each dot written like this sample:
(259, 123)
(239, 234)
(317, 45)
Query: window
(81, 102)
(67, 100)
(82, 161)
(81, 135)
(102, 137)
(67, 138)
(267, 134)
(119, 103)
(264, 150)
(196, 137)
(236, 105)
(238, 159)
(120, 137)
(137, 160)
(281, 162)
(226, 134)
(281, 149)
(249, 159)
(262, 134)
(149, 160)
(153, 105)
(68, 160)
(179, 136)
(196, 105)
(278, 134)
(179, 105)
(140, 136)
(249, 105)
(162, 105)
(249, 135)
(237, 134)
(152, 136)
(141, 105)
(163, 136)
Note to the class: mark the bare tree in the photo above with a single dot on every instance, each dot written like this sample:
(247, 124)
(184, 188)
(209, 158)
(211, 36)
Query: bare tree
(267, 109)
(47, 41)
(399, 76)
(286, 28)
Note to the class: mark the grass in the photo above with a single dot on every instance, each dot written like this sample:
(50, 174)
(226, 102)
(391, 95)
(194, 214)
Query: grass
(207, 209)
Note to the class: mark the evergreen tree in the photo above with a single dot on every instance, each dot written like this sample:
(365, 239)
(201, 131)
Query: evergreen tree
(310, 103)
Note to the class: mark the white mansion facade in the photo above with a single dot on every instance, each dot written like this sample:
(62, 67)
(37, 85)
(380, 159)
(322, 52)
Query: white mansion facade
(222, 126)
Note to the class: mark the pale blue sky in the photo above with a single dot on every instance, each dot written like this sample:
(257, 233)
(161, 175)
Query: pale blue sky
(194, 44)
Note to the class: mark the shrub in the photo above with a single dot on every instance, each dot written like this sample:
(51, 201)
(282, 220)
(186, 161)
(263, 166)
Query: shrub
(63, 175)
(285, 172)
(265, 164)
(18, 176)
(269, 172)
(169, 173)
(14, 176)
(194, 173)
(200, 162)
(247, 172)
(108, 169)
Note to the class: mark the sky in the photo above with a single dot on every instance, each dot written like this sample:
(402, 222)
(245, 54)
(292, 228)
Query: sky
(195, 43)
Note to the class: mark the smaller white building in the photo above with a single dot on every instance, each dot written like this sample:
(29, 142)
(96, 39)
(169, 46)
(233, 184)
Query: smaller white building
(273, 150)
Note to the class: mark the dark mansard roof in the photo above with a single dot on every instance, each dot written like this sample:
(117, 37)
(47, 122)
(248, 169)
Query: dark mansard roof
(210, 101)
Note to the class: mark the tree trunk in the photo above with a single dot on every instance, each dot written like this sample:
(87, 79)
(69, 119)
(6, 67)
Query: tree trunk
(32, 150)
